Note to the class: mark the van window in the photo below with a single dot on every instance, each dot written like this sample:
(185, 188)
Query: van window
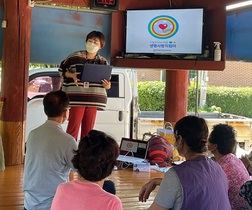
(113, 92)
(39, 86)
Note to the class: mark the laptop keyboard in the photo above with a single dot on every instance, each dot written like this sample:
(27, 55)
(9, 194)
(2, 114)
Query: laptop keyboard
(129, 159)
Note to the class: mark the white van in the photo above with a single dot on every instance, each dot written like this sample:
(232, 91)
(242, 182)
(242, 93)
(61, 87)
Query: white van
(120, 116)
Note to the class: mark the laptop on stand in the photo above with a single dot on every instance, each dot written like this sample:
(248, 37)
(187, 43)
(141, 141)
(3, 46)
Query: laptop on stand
(133, 151)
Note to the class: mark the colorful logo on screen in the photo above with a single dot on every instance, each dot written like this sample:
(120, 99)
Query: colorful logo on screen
(163, 27)
(129, 145)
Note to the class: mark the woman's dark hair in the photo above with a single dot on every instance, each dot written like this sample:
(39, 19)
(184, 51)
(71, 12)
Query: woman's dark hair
(194, 131)
(97, 34)
(55, 103)
(224, 136)
(96, 156)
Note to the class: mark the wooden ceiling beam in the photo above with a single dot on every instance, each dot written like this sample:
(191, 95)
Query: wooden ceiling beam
(157, 4)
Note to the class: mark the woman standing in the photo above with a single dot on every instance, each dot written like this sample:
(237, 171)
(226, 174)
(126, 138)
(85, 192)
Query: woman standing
(85, 99)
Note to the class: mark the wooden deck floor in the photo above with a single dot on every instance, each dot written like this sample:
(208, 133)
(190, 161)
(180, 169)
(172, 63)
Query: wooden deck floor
(128, 184)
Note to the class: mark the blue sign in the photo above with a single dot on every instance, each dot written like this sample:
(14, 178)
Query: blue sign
(56, 33)
(238, 36)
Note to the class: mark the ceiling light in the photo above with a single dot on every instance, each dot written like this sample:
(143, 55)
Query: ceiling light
(238, 5)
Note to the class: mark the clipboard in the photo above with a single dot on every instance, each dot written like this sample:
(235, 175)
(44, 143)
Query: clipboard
(94, 73)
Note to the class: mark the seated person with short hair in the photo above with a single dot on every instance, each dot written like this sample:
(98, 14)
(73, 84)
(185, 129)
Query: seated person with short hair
(49, 151)
(94, 160)
(221, 143)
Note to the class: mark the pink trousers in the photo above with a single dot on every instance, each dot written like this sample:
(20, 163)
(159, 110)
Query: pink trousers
(81, 116)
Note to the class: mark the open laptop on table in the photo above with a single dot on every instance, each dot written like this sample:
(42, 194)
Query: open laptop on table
(94, 73)
(133, 151)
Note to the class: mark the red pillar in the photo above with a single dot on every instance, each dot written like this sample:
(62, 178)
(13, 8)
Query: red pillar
(15, 66)
(176, 95)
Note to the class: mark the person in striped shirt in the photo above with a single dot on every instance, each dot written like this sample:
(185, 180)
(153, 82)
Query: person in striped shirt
(85, 99)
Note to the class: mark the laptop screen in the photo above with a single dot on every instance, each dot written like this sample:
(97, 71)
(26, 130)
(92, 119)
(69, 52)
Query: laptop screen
(133, 147)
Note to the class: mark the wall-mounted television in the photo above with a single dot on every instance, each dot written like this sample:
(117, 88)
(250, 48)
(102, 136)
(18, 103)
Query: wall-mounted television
(164, 31)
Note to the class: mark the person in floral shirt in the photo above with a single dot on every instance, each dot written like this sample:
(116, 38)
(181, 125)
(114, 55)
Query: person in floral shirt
(222, 143)
(246, 193)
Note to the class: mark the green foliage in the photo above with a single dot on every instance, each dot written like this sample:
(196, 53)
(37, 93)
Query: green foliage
(219, 99)
(41, 65)
(192, 97)
(210, 109)
(151, 95)
(231, 100)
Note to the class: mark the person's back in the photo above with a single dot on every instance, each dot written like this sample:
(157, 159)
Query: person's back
(198, 183)
(94, 160)
(222, 144)
(49, 151)
(204, 185)
(237, 174)
(84, 195)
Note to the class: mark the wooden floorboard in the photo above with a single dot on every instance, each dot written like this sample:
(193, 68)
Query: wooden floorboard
(128, 184)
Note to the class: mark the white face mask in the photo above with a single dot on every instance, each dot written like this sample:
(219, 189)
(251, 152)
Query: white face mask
(92, 47)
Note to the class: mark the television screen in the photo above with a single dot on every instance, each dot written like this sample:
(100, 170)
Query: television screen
(166, 31)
